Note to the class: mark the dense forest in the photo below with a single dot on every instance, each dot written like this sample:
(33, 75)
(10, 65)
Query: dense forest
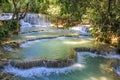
(102, 15)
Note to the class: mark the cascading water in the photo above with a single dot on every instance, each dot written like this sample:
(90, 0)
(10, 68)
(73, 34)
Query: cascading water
(117, 67)
(37, 19)
(82, 29)
(54, 58)
(31, 21)
(89, 66)
(5, 16)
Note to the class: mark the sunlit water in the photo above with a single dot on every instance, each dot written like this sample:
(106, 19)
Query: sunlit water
(56, 48)
(89, 66)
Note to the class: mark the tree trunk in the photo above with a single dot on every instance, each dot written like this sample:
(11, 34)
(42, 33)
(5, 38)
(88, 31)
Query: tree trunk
(18, 15)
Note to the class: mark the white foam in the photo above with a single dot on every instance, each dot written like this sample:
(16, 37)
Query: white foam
(111, 55)
(25, 24)
(82, 29)
(43, 71)
(30, 43)
(87, 53)
(5, 16)
(40, 71)
(60, 38)
(117, 70)
(37, 20)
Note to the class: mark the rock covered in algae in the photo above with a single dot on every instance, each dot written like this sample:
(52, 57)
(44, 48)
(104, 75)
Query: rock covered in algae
(43, 63)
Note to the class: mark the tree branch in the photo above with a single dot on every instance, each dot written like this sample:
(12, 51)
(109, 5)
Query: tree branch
(23, 14)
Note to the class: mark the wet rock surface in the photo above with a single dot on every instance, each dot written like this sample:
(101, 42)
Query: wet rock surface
(43, 63)
(84, 49)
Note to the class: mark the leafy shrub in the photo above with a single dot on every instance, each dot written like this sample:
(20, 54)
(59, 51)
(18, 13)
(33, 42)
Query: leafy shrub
(4, 32)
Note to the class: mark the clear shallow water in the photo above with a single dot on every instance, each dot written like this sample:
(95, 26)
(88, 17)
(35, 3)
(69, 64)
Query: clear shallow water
(89, 66)
(47, 32)
(56, 48)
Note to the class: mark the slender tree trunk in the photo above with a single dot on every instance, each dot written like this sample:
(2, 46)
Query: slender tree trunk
(18, 15)
(109, 6)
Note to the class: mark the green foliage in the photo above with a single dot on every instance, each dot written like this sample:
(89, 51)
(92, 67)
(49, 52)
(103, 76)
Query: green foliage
(4, 32)
(13, 25)
(93, 31)
(5, 6)
(68, 12)
(74, 8)
(39, 6)
(104, 15)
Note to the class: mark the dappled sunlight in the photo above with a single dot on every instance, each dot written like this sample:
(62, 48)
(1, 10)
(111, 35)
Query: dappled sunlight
(75, 28)
(103, 78)
(54, 10)
(41, 36)
(106, 67)
(75, 42)
(1, 23)
(79, 65)
(99, 78)
(60, 26)
(31, 36)
(114, 39)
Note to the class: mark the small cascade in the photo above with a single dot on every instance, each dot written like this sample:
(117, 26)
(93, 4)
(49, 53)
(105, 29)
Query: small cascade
(36, 20)
(43, 63)
(59, 63)
(81, 67)
(5, 16)
(82, 29)
(42, 71)
(25, 24)
(117, 68)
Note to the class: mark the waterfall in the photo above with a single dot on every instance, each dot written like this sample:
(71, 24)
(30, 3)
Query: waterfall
(36, 20)
(30, 19)
(82, 29)
(5, 16)
(42, 71)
